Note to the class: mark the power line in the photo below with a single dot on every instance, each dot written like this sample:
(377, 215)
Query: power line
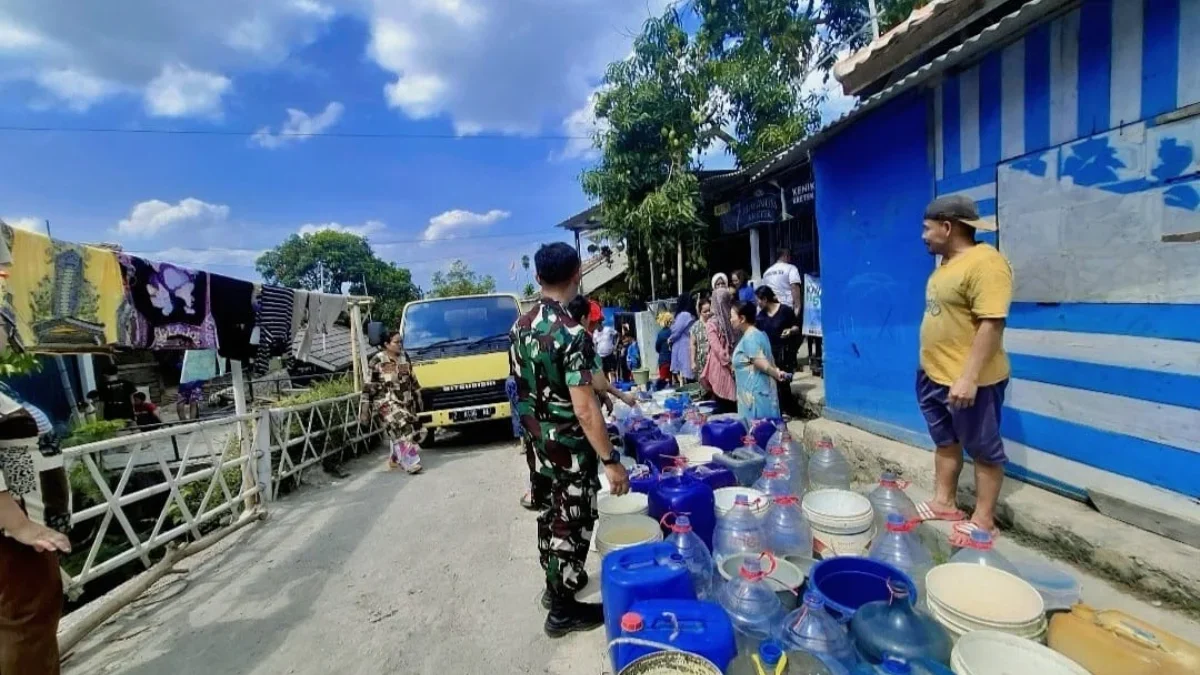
(296, 135)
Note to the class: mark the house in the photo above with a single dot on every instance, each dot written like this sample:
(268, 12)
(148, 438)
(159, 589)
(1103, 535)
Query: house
(1076, 126)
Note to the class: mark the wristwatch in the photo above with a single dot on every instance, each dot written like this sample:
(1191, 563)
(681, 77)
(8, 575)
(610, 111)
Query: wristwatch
(612, 459)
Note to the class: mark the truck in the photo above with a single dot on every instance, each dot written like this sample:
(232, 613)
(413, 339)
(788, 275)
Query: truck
(458, 348)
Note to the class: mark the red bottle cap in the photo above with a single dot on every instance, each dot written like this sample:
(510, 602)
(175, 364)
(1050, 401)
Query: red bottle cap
(632, 622)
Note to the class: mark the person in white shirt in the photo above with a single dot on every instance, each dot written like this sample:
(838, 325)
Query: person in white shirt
(605, 337)
(784, 278)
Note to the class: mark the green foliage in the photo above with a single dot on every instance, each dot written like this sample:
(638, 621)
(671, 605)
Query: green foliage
(739, 77)
(93, 432)
(529, 291)
(193, 493)
(14, 363)
(319, 391)
(460, 280)
(84, 491)
(325, 260)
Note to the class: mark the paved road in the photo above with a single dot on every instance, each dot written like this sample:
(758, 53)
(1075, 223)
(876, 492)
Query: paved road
(379, 573)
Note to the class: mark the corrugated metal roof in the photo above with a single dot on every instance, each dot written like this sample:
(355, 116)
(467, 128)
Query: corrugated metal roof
(1011, 24)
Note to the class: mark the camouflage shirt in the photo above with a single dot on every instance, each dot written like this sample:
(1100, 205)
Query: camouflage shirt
(551, 353)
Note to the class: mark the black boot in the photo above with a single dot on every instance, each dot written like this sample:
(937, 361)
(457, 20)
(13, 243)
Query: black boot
(567, 615)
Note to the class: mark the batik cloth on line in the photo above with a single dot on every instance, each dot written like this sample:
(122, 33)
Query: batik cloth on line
(551, 353)
(274, 321)
(168, 306)
(60, 296)
(393, 393)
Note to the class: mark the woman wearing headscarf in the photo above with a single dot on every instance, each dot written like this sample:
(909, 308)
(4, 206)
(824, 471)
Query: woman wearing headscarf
(699, 355)
(719, 280)
(681, 340)
(718, 372)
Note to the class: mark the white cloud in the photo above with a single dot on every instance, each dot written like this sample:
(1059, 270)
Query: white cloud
(300, 126)
(179, 91)
(197, 257)
(452, 223)
(77, 89)
(26, 223)
(580, 126)
(154, 216)
(368, 228)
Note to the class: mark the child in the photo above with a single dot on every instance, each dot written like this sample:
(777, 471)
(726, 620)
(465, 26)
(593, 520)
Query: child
(145, 413)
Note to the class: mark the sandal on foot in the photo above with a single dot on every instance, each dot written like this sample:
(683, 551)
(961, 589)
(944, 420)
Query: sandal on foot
(960, 534)
(527, 502)
(926, 511)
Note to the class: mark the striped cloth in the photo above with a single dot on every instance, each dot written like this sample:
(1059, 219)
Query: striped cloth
(274, 321)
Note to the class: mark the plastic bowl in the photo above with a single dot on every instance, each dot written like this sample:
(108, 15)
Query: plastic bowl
(629, 504)
(849, 582)
(723, 501)
(984, 595)
(838, 511)
(1059, 589)
(689, 447)
(993, 653)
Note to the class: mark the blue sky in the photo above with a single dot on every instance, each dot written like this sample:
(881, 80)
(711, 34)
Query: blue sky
(489, 81)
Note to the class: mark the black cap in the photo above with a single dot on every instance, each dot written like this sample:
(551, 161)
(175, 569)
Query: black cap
(960, 208)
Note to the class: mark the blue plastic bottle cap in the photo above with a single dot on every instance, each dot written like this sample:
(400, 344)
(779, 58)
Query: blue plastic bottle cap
(896, 666)
(981, 535)
(770, 652)
(895, 519)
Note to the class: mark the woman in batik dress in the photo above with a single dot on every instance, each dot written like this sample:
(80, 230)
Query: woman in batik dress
(393, 392)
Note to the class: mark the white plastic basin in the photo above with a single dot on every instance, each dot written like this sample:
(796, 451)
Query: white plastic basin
(993, 653)
(984, 596)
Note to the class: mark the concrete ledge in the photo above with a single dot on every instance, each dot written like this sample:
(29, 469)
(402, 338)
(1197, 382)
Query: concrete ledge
(809, 390)
(1151, 566)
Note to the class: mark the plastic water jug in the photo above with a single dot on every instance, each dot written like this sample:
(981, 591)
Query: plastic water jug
(695, 554)
(888, 497)
(764, 430)
(1111, 642)
(725, 434)
(810, 628)
(670, 422)
(788, 455)
(751, 602)
(688, 625)
(771, 654)
(739, 532)
(828, 468)
(900, 547)
(746, 465)
(895, 665)
(979, 550)
(894, 628)
(637, 434)
(643, 572)
(680, 493)
(659, 450)
(787, 531)
(643, 478)
(693, 421)
(774, 482)
(714, 475)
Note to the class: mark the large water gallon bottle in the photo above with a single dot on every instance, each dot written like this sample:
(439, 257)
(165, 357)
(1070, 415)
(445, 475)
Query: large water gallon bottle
(900, 547)
(750, 443)
(895, 665)
(979, 550)
(751, 602)
(739, 532)
(695, 554)
(810, 628)
(764, 430)
(828, 468)
(669, 422)
(693, 421)
(774, 482)
(771, 655)
(781, 456)
(679, 493)
(894, 628)
(643, 572)
(888, 498)
(786, 529)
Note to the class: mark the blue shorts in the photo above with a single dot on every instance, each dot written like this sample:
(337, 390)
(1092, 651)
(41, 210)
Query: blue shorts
(977, 428)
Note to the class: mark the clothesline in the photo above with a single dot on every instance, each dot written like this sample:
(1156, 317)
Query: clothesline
(64, 298)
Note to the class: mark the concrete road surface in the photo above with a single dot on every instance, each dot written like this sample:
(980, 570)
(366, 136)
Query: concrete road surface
(378, 573)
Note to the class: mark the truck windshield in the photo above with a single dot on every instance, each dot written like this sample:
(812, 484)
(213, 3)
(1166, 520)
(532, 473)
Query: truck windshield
(458, 321)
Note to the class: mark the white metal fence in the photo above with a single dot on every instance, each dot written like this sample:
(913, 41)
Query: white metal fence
(208, 473)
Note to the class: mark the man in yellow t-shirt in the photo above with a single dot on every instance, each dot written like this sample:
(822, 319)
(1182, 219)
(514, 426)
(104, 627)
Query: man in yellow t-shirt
(964, 370)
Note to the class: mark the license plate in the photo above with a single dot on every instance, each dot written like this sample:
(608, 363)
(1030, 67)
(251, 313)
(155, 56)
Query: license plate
(472, 415)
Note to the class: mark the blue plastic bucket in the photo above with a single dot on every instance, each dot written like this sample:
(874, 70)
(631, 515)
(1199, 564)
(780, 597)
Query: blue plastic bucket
(849, 582)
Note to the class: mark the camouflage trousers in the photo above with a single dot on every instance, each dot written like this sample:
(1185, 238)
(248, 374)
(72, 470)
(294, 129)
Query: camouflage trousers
(565, 526)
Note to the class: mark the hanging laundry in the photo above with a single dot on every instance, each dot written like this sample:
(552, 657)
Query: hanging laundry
(201, 365)
(323, 310)
(233, 311)
(60, 297)
(168, 306)
(274, 321)
(299, 311)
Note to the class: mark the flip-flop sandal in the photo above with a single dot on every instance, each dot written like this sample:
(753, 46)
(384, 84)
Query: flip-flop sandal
(925, 511)
(527, 502)
(960, 534)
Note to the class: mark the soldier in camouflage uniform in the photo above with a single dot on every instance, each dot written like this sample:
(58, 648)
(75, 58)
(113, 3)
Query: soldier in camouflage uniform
(552, 359)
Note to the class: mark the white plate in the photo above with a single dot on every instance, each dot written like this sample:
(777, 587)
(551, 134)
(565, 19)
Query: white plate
(986, 652)
(984, 595)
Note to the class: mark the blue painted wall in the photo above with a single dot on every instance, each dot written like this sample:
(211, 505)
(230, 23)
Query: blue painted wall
(873, 183)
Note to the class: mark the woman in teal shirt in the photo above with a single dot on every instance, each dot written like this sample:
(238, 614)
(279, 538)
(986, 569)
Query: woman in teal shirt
(754, 367)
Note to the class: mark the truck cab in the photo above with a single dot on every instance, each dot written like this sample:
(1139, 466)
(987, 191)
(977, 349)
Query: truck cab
(458, 348)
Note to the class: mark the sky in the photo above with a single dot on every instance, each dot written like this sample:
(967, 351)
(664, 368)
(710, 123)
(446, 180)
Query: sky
(460, 127)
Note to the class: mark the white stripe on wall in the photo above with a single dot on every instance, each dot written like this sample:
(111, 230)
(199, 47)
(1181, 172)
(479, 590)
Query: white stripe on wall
(979, 192)
(1168, 356)
(1083, 476)
(1064, 78)
(968, 95)
(1156, 422)
(939, 160)
(1189, 52)
(1012, 101)
(1126, 84)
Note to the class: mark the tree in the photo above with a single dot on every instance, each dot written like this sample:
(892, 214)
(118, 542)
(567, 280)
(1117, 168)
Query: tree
(325, 260)
(529, 291)
(739, 79)
(460, 280)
